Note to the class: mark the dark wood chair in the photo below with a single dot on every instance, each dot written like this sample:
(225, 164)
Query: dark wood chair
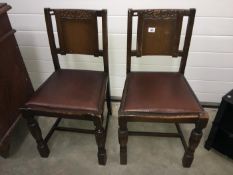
(73, 94)
(160, 96)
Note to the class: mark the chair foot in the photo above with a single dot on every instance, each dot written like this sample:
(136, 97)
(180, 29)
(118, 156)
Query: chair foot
(123, 155)
(187, 160)
(100, 140)
(43, 150)
(35, 130)
(123, 139)
(5, 149)
(102, 157)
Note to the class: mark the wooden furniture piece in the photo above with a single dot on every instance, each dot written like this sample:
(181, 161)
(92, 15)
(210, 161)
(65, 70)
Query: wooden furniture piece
(15, 85)
(221, 134)
(160, 96)
(73, 94)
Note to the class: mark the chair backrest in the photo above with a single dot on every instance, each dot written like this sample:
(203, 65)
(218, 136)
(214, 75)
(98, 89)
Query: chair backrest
(77, 32)
(158, 33)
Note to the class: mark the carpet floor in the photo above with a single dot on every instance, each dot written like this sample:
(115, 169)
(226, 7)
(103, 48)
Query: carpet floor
(74, 153)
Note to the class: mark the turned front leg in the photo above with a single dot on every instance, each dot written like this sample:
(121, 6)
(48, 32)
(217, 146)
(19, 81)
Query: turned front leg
(36, 133)
(100, 140)
(123, 139)
(194, 141)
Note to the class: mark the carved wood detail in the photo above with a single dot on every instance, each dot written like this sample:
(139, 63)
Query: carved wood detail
(75, 14)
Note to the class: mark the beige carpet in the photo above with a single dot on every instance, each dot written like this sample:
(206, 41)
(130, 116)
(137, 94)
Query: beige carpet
(73, 153)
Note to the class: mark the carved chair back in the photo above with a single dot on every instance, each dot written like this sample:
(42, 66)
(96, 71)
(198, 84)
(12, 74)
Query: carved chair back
(159, 33)
(77, 32)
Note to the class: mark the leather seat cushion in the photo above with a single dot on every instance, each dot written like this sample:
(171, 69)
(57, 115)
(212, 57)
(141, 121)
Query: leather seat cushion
(71, 91)
(158, 92)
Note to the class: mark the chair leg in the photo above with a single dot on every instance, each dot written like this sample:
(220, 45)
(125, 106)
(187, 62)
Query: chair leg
(109, 100)
(5, 148)
(100, 140)
(123, 139)
(194, 141)
(34, 128)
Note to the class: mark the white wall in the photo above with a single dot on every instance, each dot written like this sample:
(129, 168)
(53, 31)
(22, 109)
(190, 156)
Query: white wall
(210, 64)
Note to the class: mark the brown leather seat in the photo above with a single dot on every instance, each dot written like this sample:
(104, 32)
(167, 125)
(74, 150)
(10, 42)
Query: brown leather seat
(73, 91)
(158, 92)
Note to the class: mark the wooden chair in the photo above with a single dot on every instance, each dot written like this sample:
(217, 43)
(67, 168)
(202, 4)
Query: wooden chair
(73, 94)
(160, 96)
